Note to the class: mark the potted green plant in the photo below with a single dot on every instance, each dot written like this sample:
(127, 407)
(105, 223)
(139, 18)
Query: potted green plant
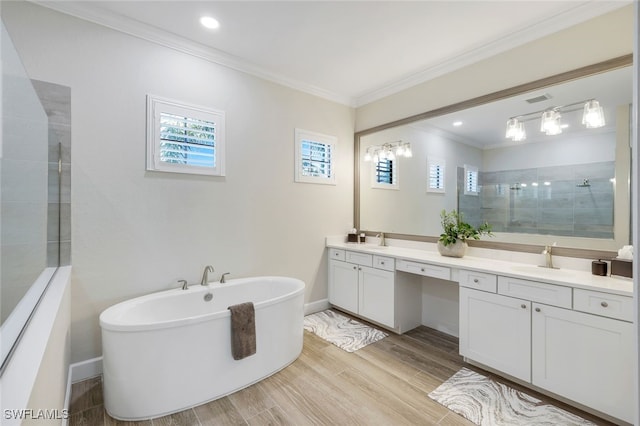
(453, 241)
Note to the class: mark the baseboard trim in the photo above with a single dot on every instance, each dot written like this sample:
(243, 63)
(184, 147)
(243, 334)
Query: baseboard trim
(317, 306)
(84, 370)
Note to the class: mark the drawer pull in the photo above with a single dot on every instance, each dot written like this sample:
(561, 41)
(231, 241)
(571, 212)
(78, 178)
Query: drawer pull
(382, 263)
(475, 280)
(421, 269)
(604, 304)
(537, 309)
(523, 306)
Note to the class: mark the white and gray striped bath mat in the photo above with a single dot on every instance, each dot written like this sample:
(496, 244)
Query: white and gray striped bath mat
(486, 402)
(346, 333)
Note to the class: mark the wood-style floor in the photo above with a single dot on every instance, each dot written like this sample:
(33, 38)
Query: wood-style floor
(385, 383)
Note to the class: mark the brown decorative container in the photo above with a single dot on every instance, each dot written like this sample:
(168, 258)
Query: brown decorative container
(622, 268)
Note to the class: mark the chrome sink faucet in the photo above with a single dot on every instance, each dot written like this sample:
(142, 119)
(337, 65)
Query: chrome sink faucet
(382, 241)
(205, 274)
(222, 278)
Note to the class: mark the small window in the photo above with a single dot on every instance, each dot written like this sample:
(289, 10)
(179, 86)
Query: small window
(435, 170)
(470, 180)
(315, 157)
(385, 174)
(184, 138)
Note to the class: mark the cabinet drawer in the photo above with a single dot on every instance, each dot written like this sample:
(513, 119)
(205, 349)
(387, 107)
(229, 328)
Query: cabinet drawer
(548, 294)
(425, 269)
(478, 280)
(336, 254)
(607, 305)
(383, 262)
(359, 258)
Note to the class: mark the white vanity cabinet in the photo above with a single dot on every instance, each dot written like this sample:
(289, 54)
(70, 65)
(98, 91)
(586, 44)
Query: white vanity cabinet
(495, 330)
(585, 358)
(366, 285)
(533, 331)
(343, 285)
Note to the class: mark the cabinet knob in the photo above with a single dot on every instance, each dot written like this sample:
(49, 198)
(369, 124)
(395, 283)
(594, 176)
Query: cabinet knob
(537, 309)
(523, 306)
(475, 280)
(355, 267)
(382, 263)
(604, 304)
(421, 269)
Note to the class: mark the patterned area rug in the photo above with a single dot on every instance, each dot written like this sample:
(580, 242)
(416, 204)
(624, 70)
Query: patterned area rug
(486, 402)
(344, 332)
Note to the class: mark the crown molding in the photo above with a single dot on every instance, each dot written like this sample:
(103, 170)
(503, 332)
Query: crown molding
(88, 12)
(558, 22)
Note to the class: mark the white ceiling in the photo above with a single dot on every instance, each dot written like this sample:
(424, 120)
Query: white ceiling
(353, 52)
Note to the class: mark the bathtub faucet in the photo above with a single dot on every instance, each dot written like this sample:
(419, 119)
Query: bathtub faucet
(205, 274)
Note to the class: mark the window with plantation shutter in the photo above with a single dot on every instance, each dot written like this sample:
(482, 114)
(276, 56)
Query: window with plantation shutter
(385, 174)
(315, 157)
(436, 176)
(470, 180)
(184, 138)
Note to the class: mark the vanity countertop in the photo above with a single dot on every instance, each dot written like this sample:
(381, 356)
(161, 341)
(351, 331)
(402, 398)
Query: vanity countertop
(567, 277)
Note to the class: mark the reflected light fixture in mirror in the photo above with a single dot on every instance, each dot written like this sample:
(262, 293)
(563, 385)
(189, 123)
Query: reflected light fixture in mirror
(388, 151)
(550, 124)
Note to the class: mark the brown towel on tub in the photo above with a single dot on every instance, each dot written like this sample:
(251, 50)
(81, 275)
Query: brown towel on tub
(243, 330)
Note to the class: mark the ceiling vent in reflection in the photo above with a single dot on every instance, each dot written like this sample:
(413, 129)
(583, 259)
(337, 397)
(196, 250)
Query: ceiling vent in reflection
(536, 99)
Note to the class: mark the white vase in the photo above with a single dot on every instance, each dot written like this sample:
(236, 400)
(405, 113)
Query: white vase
(457, 249)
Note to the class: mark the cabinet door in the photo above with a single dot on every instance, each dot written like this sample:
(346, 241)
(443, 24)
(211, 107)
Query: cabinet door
(585, 358)
(377, 295)
(495, 330)
(343, 285)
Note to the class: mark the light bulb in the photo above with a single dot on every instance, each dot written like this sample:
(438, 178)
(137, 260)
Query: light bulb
(593, 115)
(550, 123)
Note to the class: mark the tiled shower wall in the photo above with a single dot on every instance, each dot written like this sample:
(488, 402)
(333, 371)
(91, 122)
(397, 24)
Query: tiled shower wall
(56, 100)
(572, 200)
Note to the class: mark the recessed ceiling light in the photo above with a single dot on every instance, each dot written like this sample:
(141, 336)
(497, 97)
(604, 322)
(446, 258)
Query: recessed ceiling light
(457, 123)
(209, 22)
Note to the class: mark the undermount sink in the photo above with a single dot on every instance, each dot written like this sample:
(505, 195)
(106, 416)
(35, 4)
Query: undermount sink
(541, 270)
(376, 247)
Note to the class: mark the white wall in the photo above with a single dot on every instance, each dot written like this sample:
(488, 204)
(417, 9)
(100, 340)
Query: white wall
(596, 40)
(135, 232)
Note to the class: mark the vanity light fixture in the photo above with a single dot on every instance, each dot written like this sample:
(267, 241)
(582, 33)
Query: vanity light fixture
(388, 151)
(550, 124)
(209, 22)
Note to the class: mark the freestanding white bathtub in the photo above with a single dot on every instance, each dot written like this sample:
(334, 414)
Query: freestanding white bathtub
(168, 351)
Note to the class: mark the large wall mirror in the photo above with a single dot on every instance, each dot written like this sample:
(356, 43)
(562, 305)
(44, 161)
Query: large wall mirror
(568, 184)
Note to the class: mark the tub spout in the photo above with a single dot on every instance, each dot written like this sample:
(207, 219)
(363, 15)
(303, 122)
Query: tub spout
(205, 274)
(222, 279)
